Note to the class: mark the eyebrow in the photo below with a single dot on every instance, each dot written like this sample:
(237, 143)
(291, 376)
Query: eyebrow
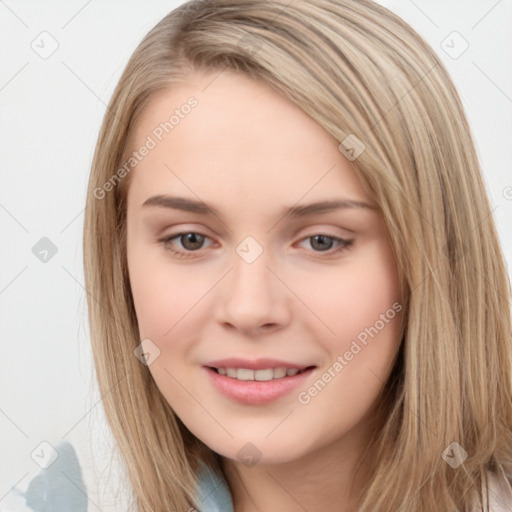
(200, 207)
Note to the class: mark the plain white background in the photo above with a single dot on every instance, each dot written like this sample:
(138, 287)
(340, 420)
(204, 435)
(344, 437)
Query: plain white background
(51, 110)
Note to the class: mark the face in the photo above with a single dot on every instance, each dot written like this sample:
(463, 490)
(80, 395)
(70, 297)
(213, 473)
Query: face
(255, 253)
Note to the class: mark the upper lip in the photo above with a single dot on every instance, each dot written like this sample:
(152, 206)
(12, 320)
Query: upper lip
(256, 364)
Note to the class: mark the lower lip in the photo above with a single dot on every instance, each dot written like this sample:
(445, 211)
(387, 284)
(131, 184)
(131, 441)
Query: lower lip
(254, 392)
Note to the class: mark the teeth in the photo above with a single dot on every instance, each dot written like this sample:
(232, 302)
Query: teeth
(245, 374)
(267, 374)
(260, 375)
(279, 372)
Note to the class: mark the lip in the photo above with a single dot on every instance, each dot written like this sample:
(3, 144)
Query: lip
(256, 364)
(253, 392)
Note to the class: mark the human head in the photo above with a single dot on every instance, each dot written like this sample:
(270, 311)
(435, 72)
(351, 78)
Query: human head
(356, 70)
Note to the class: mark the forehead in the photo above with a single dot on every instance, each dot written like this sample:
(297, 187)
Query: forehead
(241, 138)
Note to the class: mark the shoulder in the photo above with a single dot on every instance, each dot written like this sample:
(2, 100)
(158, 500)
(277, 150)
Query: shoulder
(500, 492)
(213, 490)
(215, 496)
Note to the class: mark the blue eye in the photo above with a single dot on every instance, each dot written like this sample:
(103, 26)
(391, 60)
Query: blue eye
(324, 243)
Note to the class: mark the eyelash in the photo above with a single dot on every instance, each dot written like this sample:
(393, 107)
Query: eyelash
(344, 244)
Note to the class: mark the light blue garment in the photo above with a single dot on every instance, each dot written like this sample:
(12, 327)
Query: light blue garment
(59, 487)
(213, 492)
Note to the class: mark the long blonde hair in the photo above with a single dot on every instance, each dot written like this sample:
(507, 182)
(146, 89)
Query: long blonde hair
(358, 70)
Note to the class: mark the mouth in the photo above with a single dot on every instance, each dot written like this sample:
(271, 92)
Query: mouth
(266, 383)
(261, 375)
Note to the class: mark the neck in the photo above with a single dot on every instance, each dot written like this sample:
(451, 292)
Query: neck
(328, 479)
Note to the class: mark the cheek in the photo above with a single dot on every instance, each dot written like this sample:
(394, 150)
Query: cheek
(166, 296)
(361, 304)
(154, 299)
(158, 304)
(351, 297)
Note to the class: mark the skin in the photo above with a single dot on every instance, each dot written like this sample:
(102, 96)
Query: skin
(249, 152)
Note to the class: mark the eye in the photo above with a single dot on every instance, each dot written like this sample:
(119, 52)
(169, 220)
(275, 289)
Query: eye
(190, 242)
(325, 243)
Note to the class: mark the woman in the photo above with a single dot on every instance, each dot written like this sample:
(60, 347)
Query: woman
(297, 298)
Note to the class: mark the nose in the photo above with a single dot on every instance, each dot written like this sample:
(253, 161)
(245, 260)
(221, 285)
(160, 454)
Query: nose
(253, 300)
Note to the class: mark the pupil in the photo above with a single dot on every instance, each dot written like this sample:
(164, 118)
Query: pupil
(325, 242)
(192, 241)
